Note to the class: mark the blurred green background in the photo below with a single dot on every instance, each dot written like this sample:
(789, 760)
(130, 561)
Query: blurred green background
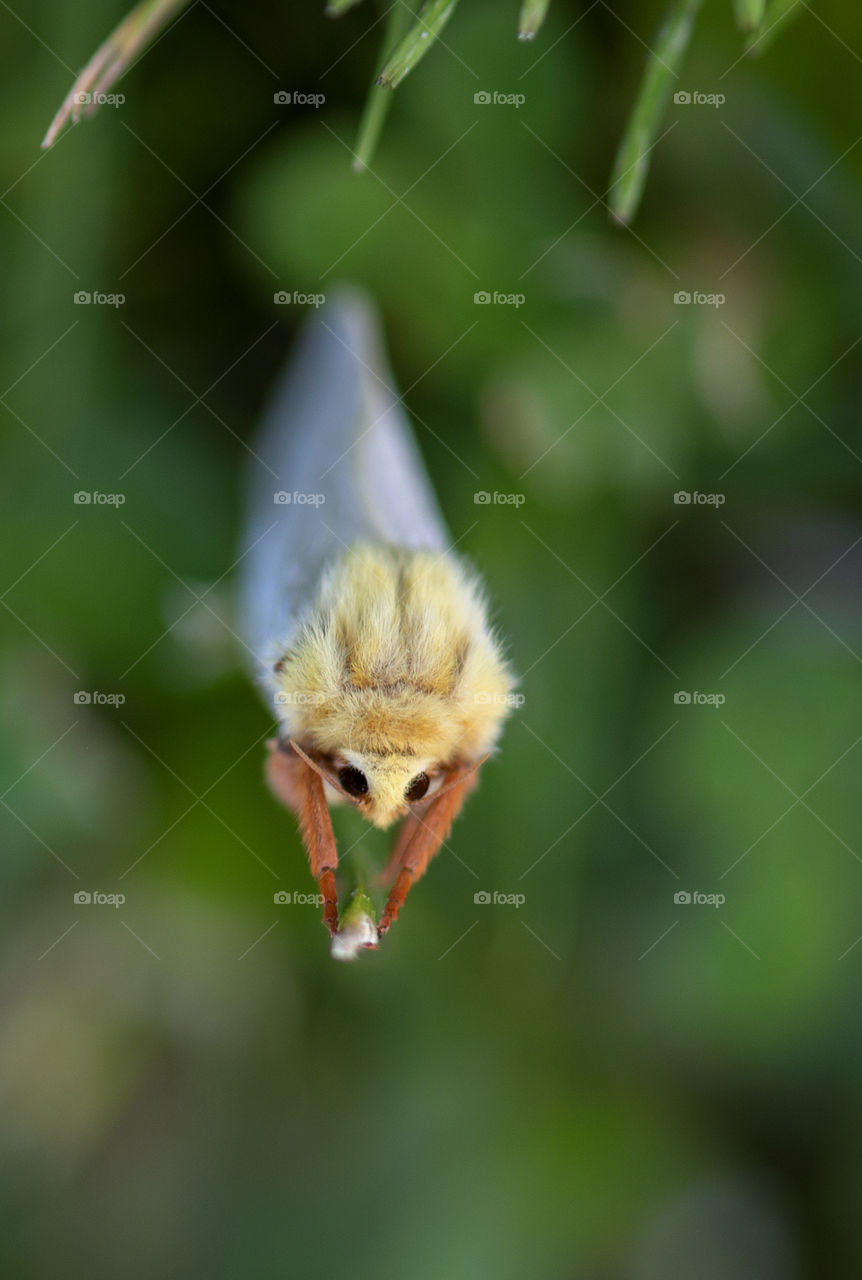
(603, 1082)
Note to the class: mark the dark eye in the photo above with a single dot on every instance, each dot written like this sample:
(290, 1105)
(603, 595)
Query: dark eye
(417, 787)
(353, 781)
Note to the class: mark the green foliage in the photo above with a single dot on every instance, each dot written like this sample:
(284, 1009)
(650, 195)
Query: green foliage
(405, 46)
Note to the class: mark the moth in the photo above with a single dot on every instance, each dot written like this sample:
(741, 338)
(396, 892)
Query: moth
(371, 639)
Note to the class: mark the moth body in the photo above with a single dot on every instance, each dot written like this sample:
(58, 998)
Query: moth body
(369, 639)
(394, 672)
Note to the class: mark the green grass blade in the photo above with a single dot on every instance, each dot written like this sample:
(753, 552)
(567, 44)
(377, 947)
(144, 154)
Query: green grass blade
(112, 60)
(633, 156)
(378, 102)
(430, 21)
(531, 17)
(335, 8)
(779, 14)
(749, 14)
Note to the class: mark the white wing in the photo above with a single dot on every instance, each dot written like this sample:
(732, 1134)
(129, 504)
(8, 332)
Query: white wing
(335, 463)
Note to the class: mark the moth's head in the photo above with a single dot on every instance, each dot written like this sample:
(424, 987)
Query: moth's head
(383, 786)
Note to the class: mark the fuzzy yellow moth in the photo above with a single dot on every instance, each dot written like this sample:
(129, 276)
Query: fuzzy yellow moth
(371, 639)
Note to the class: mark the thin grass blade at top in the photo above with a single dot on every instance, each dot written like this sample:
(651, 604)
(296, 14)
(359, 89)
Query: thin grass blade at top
(112, 59)
(779, 14)
(633, 156)
(335, 8)
(378, 102)
(531, 17)
(430, 21)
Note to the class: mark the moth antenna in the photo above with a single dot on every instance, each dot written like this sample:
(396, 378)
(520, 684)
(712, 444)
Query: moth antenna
(318, 769)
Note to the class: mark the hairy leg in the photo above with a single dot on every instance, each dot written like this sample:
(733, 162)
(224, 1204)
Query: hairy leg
(296, 784)
(426, 835)
(408, 829)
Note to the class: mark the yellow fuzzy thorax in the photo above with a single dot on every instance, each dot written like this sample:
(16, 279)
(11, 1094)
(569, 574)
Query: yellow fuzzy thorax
(395, 671)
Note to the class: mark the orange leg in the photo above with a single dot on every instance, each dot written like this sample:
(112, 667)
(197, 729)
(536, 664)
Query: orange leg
(408, 829)
(300, 789)
(426, 836)
(413, 822)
